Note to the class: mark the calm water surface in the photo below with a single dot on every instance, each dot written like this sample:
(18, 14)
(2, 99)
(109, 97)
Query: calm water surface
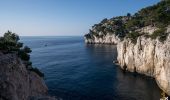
(76, 71)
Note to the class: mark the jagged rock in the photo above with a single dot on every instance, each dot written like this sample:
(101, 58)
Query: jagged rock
(18, 83)
(108, 39)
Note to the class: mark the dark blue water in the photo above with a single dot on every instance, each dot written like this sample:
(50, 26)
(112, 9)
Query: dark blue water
(76, 71)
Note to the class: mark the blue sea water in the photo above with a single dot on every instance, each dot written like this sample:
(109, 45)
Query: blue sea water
(77, 71)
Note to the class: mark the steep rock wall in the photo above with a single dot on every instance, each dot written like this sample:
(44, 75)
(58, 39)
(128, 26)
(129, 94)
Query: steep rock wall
(18, 83)
(107, 39)
(147, 56)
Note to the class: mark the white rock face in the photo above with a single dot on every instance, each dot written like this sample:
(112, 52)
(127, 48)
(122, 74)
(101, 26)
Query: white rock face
(147, 56)
(108, 39)
(168, 29)
(148, 29)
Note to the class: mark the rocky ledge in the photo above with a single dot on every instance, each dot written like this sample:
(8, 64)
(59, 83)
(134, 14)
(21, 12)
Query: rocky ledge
(18, 83)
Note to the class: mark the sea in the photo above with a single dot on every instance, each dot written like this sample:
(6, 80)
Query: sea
(78, 71)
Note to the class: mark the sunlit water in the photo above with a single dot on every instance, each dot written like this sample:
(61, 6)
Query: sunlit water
(77, 71)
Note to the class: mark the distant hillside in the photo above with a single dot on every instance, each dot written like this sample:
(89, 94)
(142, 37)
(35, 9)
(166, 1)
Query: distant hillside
(157, 17)
(143, 41)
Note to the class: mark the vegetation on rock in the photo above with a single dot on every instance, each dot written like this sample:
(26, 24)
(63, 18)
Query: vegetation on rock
(133, 36)
(9, 43)
(156, 16)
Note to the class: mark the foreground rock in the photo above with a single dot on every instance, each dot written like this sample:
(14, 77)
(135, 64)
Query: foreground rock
(18, 83)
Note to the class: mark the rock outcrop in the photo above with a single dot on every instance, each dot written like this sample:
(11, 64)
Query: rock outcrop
(143, 41)
(148, 56)
(18, 83)
(107, 39)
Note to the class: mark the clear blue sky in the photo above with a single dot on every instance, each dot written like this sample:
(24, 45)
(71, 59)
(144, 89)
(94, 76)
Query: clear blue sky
(61, 17)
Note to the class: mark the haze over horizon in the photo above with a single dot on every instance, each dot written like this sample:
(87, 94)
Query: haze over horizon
(61, 17)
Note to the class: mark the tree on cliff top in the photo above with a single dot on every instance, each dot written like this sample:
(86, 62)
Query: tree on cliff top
(9, 43)
(157, 15)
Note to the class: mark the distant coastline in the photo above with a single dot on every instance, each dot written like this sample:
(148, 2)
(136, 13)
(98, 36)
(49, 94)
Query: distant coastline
(142, 41)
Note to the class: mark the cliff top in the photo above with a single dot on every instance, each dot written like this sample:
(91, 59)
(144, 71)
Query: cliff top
(10, 45)
(151, 21)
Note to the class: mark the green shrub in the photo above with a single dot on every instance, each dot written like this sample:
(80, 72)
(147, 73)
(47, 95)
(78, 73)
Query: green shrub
(157, 15)
(163, 37)
(160, 32)
(104, 20)
(27, 49)
(28, 63)
(9, 43)
(23, 55)
(37, 71)
(88, 36)
(133, 36)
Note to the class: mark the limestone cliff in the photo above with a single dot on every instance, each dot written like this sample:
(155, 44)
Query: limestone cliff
(147, 56)
(18, 83)
(143, 41)
(108, 39)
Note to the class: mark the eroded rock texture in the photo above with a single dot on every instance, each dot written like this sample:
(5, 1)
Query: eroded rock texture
(147, 56)
(18, 83)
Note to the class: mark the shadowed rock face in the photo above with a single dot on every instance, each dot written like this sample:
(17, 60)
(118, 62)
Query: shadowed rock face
(17, 83)
(147, 56)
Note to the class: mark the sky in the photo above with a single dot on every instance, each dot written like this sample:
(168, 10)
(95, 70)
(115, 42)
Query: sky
(61, 17)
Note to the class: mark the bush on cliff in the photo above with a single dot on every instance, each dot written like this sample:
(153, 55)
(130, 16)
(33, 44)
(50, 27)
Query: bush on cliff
(37, 71)
(24, 53)
(157, 15)
(9, 43)
(157, 33)
(133, 36)
(160, 34)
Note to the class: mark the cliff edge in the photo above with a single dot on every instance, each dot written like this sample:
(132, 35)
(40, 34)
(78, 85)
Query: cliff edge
(147, 56)
(18, 79)
(18, 83)
(143, 41)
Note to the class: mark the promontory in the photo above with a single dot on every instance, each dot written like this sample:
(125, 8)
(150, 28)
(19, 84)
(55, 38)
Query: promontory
(142, 39)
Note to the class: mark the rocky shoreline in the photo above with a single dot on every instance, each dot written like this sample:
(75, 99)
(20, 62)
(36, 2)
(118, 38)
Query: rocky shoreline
(147, 56)
(142, 39)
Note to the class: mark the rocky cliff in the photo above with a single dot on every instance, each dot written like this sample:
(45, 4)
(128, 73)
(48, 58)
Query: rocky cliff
(107, 39)
(147, 56)
(143, 41)
(18, 83)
